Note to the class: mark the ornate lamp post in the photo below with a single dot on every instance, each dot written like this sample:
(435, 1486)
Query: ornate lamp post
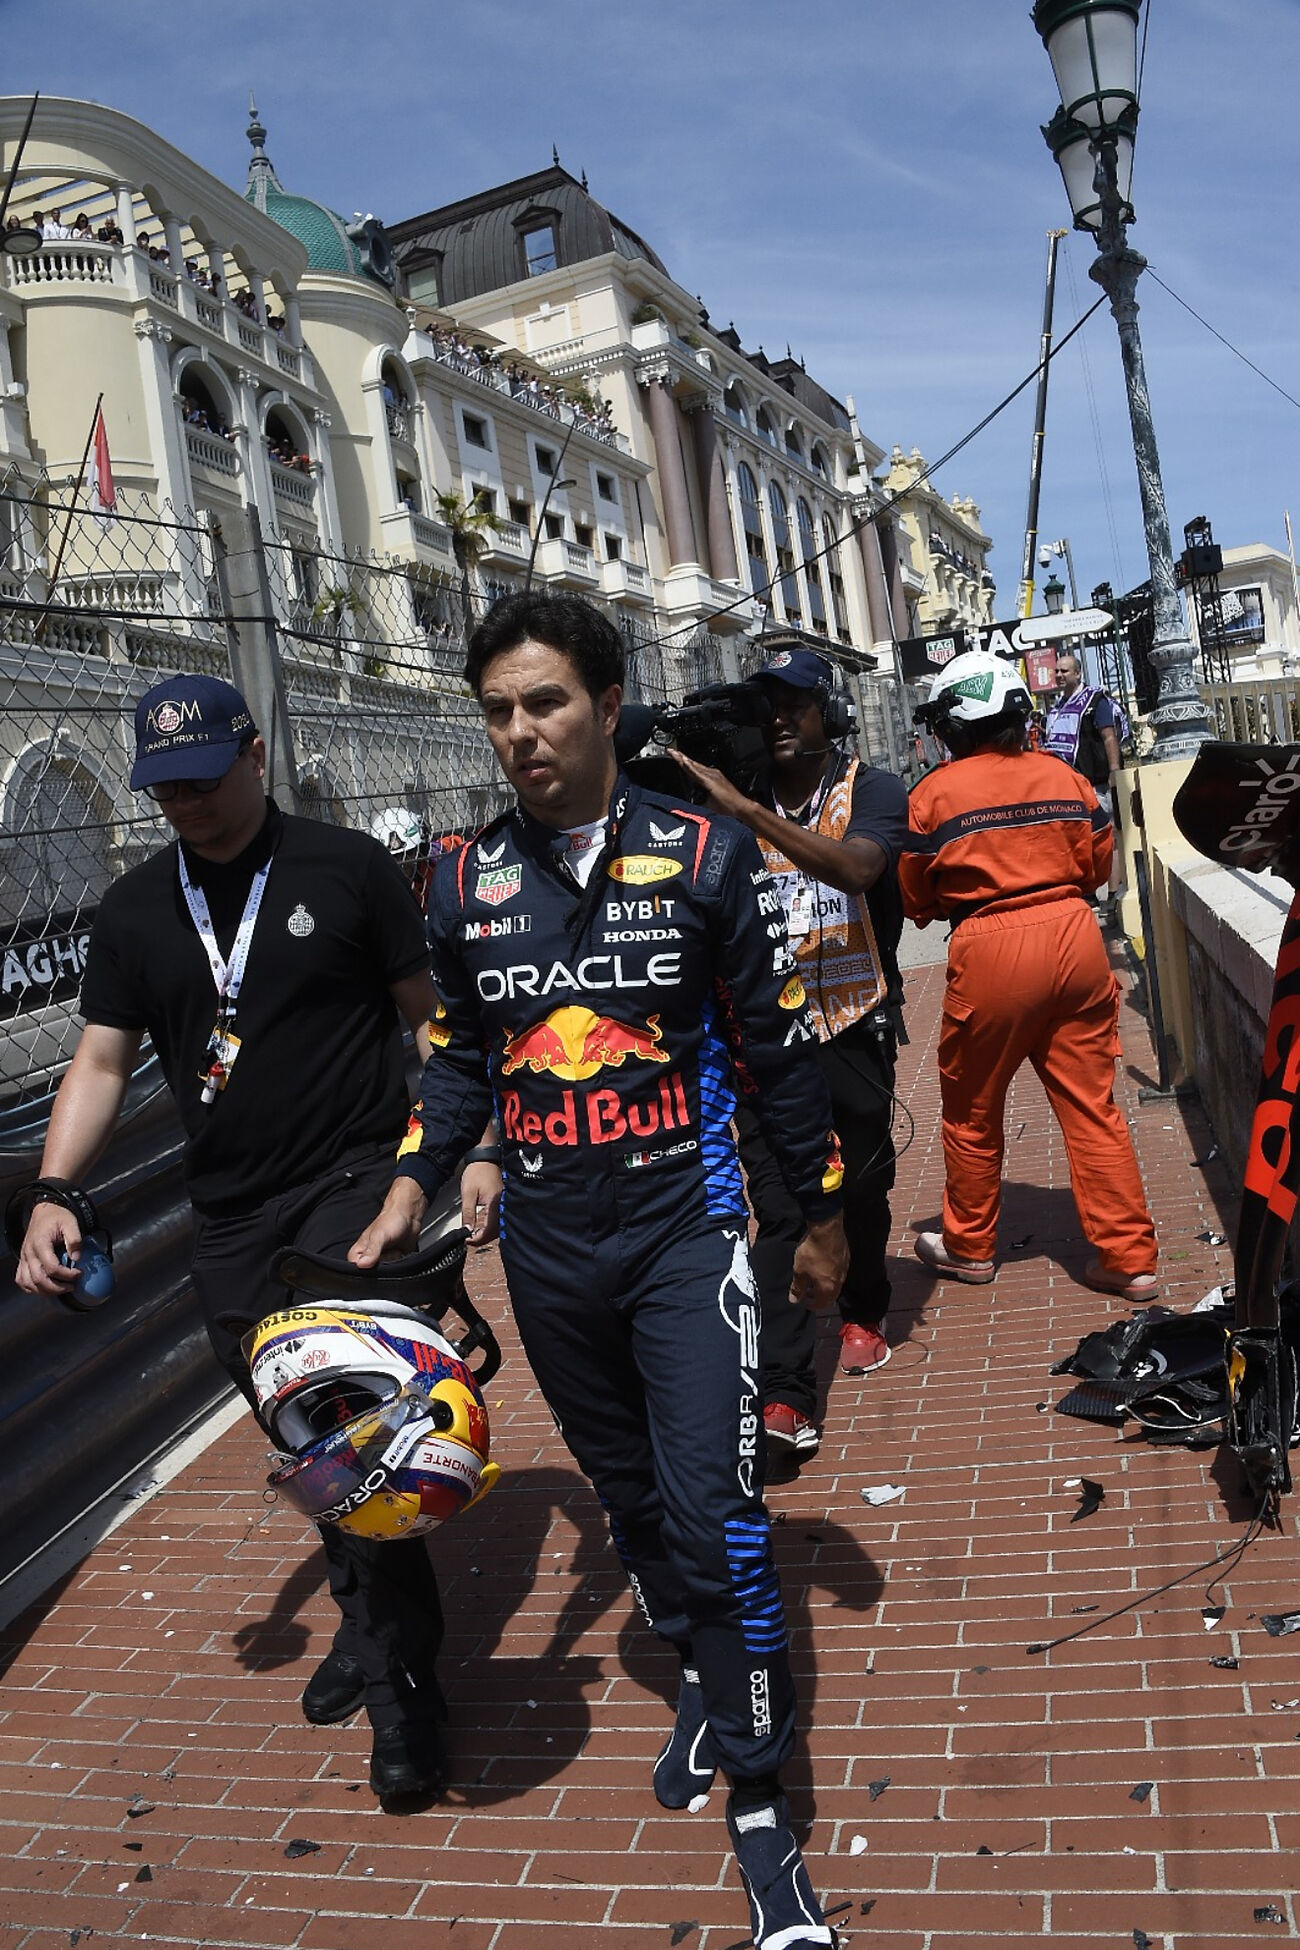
(1093, 49)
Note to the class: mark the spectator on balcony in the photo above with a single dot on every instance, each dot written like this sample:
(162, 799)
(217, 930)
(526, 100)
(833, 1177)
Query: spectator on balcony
(108, 233)
(54, 229)
(38, 221)
(81, 230)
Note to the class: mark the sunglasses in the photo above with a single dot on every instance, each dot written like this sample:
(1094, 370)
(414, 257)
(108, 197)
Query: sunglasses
(167, 789)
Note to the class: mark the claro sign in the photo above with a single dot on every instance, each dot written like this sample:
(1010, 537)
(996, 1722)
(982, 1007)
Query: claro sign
(43, 962)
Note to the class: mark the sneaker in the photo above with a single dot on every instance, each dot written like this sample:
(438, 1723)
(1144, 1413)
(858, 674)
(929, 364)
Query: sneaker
(335, 1690)
(687, 1765)
(784, 1914)
(1129, 1286)
(788, 1429)
(930, 1249)
(862, 1347)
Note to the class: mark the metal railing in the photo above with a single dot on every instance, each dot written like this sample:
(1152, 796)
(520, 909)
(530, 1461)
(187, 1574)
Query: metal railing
(1255, 710)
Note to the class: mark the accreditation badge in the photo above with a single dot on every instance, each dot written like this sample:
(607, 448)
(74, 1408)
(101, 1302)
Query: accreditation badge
(219, 1057)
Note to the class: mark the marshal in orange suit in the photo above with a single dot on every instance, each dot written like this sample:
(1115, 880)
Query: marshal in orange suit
(1006, 844)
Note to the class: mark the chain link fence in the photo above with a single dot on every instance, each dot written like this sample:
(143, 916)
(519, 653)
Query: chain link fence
(351, 663)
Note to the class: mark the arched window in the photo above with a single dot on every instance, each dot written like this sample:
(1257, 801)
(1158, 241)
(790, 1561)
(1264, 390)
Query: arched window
(780, 515)
(818, 462)
(286, 440)
(733, 404)
(398, 399)
(766, 427)
(751, 522)
(834, 577)
(807, 532)
(203, 402)
(57, 846)
(793, 444)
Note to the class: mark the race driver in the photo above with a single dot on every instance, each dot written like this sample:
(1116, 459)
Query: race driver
(603, 959)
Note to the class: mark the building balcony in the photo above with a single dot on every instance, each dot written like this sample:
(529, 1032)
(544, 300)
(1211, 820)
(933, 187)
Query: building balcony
(505, 545)
(293, 486)
(626, 581)
(689, 589)
(209, 451)
(417, 539)
(568, 564)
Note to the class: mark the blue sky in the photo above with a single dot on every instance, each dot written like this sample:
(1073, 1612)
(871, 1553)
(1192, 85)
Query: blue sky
(863, 179)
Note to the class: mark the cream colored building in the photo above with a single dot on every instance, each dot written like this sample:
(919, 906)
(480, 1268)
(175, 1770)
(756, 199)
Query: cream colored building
(1261, 614)
(757, 478)
(947, 575)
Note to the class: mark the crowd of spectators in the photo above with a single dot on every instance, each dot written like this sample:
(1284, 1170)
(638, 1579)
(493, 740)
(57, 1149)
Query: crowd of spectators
(482, 362)
(284, 456)
(198, 415)
(955, 557)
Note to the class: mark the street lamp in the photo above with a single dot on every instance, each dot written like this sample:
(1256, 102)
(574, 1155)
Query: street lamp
(1092, 45)
(1053, 594)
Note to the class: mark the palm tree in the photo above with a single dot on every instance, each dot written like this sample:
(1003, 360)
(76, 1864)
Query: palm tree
(470, 524)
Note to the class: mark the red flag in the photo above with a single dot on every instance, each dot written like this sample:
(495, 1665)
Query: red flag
(103, 494)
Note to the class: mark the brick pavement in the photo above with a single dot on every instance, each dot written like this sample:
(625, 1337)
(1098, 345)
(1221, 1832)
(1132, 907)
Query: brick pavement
(154, 1767)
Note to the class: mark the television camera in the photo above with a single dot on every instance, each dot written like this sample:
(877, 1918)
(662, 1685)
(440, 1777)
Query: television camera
(721, 725)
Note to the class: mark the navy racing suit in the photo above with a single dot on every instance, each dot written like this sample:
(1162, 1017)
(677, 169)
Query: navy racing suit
(607, 1026)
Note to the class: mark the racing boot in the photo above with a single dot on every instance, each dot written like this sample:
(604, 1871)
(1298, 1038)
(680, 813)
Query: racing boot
(687, 1765)
(784, 1914)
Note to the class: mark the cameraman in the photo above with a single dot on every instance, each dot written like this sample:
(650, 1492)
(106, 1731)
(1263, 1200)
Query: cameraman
(831, 830)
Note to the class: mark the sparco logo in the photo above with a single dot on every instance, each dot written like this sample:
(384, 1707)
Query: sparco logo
(1271, 799)
(760, 1702)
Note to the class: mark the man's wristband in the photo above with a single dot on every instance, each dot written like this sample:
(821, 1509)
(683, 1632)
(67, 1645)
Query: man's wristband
(483, 1154)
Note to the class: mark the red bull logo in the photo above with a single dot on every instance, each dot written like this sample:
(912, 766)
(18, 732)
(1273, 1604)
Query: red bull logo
(574, 1043)
(603, 1117)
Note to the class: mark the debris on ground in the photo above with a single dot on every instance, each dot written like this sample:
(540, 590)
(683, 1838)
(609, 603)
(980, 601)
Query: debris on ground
(1212, 1615)
(1278, 1624)
(682, 1930)
(139, 1807)
(1142, 1792)
(1269, 1913)
(1213, 1238)
(144, 1873)
(1141, 1941)
(1226, 1663)
(1077, 1611)
(858, 1846)
(299, 1845)
(1091, 1498)
(876, 1493)
(1199, 1164)
(876, 1788)
(1284, 1705)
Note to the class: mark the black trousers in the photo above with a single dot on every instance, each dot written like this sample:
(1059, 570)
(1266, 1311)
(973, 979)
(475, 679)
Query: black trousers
(647, 1351)
(386, 1592)
(859, 1071)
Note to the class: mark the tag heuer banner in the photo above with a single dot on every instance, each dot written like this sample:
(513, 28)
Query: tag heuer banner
(923, 656)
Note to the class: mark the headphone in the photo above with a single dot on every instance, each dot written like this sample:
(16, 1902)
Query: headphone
(839, 712)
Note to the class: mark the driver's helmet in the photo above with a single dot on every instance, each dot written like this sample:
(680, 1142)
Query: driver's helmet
(385, 1428)
(978, 685)
(399, 829)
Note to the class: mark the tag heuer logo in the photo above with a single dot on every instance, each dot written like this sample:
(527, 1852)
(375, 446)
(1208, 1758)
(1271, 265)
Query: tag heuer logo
(301, 922)
(500, 884)
(942, 650)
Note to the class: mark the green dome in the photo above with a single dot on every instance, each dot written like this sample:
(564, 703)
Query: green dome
(319, 229)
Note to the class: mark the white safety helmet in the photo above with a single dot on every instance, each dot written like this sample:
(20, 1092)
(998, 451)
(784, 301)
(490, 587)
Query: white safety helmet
(397, 828)
(975, 686)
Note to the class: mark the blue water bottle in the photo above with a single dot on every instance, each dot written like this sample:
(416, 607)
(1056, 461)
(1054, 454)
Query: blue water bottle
(96, 1280)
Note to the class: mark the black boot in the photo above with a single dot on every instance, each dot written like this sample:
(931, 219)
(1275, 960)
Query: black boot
(687, 1765)
(407, 1763)
(335, 1690)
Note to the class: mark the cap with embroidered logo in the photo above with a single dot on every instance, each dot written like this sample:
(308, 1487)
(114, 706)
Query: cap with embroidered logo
(188, 727)
(804, 670)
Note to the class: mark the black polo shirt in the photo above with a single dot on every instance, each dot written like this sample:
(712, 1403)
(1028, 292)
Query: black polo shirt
(320, 1071)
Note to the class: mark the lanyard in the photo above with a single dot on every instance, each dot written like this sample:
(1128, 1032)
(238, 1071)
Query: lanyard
(227, 975)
